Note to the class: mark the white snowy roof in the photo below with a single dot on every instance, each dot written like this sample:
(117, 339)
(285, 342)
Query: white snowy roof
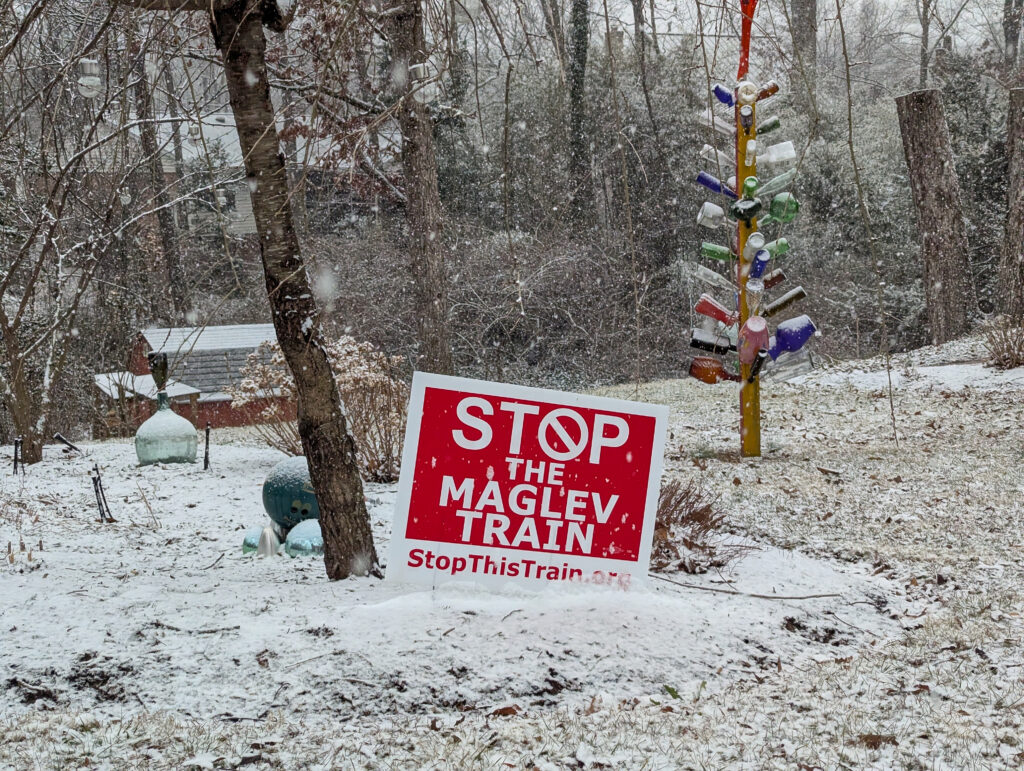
(183, 340)
(139, 385)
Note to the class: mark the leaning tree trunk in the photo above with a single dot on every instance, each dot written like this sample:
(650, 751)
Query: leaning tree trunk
(1011, 269)
(948, 286)
(330, 450)
(423, 205)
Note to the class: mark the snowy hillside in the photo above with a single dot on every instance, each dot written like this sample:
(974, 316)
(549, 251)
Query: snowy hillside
(887, 630)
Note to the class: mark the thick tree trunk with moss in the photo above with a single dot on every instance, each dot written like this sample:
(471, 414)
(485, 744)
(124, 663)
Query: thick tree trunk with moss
(404, 26)
(948, 285)
(330, 450)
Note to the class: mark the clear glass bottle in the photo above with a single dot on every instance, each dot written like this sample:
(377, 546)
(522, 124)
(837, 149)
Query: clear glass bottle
(166, 437)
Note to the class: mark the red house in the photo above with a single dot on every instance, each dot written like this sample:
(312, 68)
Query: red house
(203, 364)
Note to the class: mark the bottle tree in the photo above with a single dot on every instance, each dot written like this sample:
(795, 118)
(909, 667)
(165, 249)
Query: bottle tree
(741, 329)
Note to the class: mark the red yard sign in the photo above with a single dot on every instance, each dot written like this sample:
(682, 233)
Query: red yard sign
(504, 483)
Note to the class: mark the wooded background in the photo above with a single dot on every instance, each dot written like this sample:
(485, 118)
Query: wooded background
(499, 188)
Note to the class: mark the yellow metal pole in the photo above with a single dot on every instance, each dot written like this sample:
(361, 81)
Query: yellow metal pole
(750, 393)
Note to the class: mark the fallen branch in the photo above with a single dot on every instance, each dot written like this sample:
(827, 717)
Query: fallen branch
(312, 658)
(745, 594)
(215, 561)
(842, 621)
(161, 625)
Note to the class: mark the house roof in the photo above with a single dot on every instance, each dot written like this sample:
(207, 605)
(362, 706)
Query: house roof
(212, 372)
(177, 341)
(208, 358)
(112, 383)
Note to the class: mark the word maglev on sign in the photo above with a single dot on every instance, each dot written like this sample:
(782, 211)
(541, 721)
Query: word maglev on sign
(504, 483)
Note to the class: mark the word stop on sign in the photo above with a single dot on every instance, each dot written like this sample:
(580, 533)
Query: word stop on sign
(504, 483)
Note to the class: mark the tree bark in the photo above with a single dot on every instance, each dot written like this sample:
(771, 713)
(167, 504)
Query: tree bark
(179, 152)
(581, 204)
(948, 285)
(176, 279)
(296, 167)
(654, 32)
(804, 28)
(552, 11)
(1012, 12)
(423, 207)
(924, 10)
(329, 448)
(27, 419)
(1011, 269)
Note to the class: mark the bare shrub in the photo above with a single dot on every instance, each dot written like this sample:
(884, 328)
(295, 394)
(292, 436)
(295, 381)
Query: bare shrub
(687, 527)
(374, 397)
(1004, 341)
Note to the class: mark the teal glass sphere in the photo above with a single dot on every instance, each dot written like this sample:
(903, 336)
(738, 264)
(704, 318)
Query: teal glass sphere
(288, 494)
(305, 539)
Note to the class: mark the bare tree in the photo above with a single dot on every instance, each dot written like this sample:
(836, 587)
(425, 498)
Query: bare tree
(555, 27)
(65, 174)
(404, 27)
(949, 289)
(1012, 265)
(804, 30)
(925, 11)
(581, 205)
(153, 157)
(238, 28)
(1012, 13)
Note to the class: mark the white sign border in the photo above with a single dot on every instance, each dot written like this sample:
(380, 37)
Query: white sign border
(396, 570)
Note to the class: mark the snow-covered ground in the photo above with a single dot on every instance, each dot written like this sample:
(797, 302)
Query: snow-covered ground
(153, 642)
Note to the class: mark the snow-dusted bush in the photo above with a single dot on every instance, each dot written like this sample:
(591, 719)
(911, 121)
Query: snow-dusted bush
(687, 529)
(374, 398)
(1004, 341)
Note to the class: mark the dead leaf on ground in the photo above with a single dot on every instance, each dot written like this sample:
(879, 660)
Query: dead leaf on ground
(509, 711)
(876, 741)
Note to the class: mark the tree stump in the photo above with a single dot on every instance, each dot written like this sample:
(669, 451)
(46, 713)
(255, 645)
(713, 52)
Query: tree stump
(948, 284)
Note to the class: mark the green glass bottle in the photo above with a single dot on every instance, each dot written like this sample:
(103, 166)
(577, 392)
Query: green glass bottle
(777, 247)
(769, 125)
(784, 208)
(715, 251)
(777, 184)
